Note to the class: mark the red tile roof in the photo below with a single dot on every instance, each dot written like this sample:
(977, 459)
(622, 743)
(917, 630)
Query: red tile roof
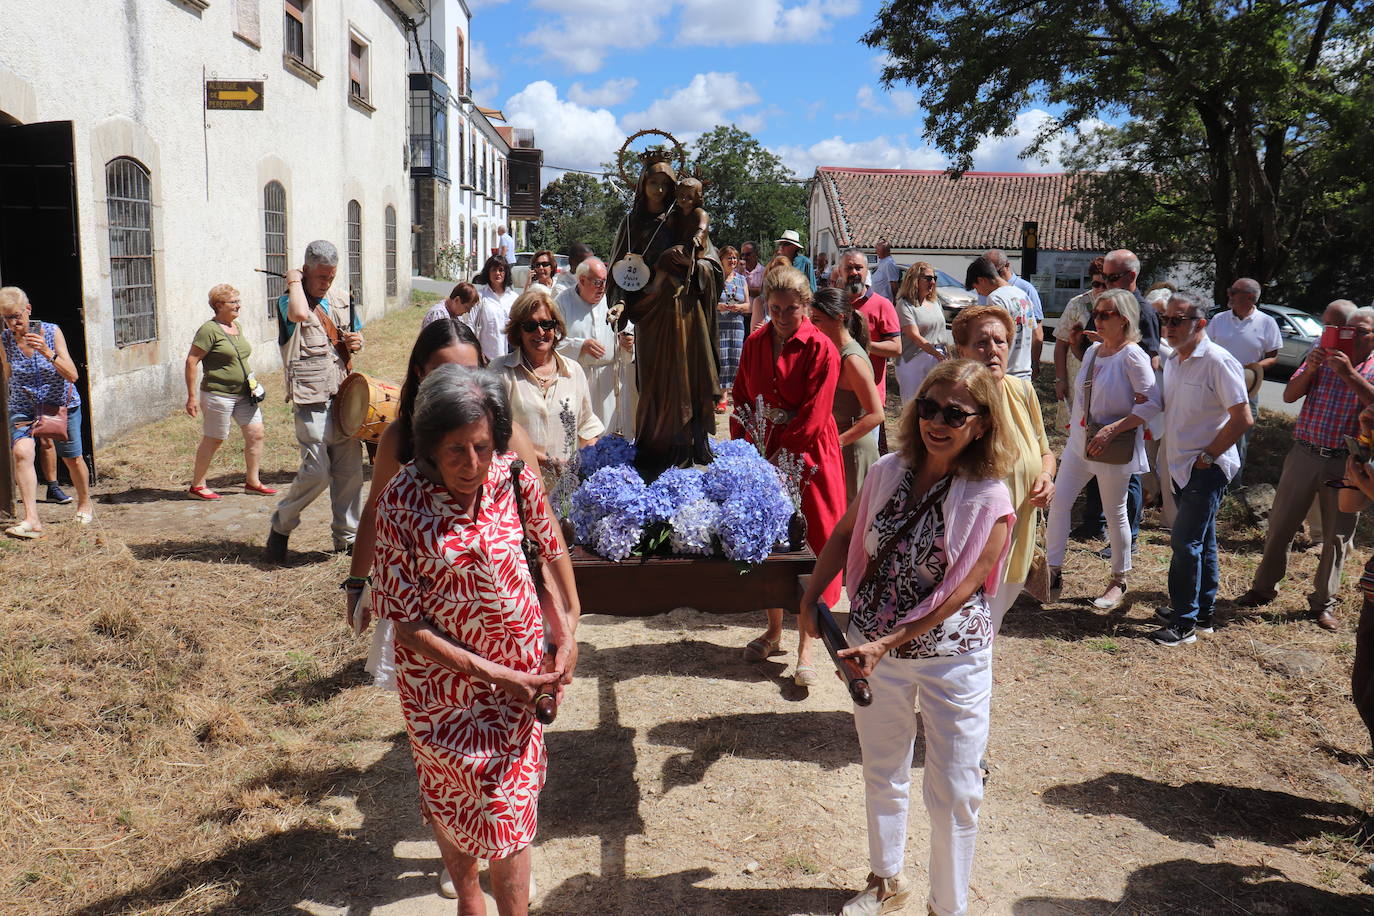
(924, 209)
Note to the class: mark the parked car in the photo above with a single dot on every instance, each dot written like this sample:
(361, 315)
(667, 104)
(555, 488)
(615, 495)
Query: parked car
(952, 294)
(1301, 331)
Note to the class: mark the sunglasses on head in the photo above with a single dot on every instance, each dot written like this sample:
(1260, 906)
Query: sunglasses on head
(955, 417)
(529, 327)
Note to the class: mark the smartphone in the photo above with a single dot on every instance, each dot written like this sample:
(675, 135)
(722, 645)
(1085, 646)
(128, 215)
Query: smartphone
(1338, 338)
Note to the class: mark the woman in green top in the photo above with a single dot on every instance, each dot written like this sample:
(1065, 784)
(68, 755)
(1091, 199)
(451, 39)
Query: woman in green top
(858, 411)
(222, 349)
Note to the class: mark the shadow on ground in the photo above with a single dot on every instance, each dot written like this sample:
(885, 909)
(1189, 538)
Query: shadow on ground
(223, 550)
(1184, 887)
(1202, 812)
(680, 892)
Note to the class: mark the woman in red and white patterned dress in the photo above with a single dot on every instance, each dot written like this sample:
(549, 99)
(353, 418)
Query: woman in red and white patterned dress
(470, 659)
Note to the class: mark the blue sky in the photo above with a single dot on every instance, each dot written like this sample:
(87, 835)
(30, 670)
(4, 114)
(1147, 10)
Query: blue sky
(585, 73)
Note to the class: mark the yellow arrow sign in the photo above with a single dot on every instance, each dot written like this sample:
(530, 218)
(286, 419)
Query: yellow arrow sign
(233, 95)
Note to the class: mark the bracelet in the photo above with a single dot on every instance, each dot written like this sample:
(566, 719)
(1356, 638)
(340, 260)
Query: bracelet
(355, 582)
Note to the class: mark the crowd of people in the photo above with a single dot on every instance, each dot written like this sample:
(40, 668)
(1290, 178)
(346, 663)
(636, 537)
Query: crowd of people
(457, 555)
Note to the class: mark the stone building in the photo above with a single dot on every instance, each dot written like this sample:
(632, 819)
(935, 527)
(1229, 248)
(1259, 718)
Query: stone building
(124, 195)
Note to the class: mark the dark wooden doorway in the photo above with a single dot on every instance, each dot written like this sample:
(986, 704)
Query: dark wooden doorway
(40, 249)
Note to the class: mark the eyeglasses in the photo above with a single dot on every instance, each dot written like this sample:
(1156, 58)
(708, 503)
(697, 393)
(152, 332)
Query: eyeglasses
(930, 277)
(1117, 277)
(1098, 284)
(954, 417)
(529, 327)
(590, 281)
(1105, 313)
(1173, 321)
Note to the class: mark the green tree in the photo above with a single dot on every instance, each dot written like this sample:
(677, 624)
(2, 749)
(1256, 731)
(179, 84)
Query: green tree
(1230, 115)
(576, 208)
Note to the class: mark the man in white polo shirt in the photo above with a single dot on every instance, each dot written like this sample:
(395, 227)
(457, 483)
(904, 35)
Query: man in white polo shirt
(1206, 411)
(1253, 338)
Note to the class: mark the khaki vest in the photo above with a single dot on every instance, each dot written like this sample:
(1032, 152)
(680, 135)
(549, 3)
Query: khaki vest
(314, 370)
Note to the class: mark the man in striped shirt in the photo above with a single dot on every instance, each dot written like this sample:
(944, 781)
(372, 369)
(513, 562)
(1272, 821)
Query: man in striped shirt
(1336, 387)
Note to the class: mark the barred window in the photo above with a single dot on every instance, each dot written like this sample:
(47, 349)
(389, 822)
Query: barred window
(390, 250)
(128, 197)
(355, 253)
(274, 242)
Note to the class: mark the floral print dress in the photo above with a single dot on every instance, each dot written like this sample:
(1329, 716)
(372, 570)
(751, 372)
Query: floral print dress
(910, 573)
(479, 754)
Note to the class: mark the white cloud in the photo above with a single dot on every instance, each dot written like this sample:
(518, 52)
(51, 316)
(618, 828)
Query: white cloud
(877, 153)
(703, 103)
(611, 92)
(580, 35)
(571, 135)
(759, 21)
(895, 103)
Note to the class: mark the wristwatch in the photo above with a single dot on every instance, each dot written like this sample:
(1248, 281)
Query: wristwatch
(1207, 458)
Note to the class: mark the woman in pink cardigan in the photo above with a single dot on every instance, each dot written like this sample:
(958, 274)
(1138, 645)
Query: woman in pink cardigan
(921, 548)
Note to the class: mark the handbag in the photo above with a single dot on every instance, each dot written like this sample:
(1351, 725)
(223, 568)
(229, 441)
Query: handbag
(1038, 576)
(1121, 450)
(51, 422)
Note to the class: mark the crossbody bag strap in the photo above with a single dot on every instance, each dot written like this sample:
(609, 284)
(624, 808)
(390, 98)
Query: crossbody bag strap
(1088, 390)
(247, 385)
(885, 550)
(331, 331)
(528, 546)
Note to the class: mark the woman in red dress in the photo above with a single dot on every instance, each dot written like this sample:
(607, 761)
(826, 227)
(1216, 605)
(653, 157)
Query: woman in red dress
(794, 368)
(470, 658)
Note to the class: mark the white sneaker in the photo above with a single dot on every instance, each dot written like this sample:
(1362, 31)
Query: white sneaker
(446, 888)
(883, 895)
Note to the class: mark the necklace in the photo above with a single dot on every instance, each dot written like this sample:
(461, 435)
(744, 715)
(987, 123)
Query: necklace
(543, 380)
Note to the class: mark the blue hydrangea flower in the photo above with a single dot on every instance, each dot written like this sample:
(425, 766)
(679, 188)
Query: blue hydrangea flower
(733, 448)
(753, 521)
(725, 477)
(615, 537)
(608, 451)
(616, 490)
(674, 488)
(693, 526)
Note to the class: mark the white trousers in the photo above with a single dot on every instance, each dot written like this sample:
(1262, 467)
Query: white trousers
(1112, 480)
(954, 694)
(328, 459)
(1001, 602)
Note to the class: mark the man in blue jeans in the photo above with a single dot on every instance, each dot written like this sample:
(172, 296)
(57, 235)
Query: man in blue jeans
(1206, 411)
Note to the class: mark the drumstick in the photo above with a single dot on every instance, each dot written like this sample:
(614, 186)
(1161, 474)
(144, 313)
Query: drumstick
(849, 669)
(271, 273)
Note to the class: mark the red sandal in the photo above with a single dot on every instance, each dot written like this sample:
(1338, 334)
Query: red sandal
(204, 493)
(260, 488)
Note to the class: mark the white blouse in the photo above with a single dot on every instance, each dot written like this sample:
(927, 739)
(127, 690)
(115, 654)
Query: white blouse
(539, 410)
(1117, 379)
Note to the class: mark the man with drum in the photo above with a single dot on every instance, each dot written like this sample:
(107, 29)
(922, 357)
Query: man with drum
(317, 341)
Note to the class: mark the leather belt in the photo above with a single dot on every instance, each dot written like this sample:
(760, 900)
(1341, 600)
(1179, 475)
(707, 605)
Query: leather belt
(1321, 452)
(779, 416)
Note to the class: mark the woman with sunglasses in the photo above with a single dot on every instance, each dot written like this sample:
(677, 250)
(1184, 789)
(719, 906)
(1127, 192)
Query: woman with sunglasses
(983, 333)
(541, 382)
(492, 312)
(1120, 383)
(925, 335)
(732, 309)
(922, 548)
(543, 266)
(1067, 335)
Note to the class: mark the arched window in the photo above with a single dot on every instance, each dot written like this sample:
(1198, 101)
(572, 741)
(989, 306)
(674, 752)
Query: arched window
(390, 250)
(274, 242)
(355, 253)
(128, 195)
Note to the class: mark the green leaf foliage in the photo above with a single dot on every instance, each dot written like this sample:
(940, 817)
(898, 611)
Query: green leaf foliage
(577, 208)
(1241, 129)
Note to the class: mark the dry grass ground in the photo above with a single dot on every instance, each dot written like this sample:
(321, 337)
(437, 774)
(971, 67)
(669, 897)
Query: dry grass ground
(185, 731)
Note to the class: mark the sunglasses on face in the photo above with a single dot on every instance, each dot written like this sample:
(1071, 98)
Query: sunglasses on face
(543, 264)
(529, 327)
(1105, 313)
(1116, 277)
(1173, 321)
(925, 277)
(1098, 284)
(955, 417)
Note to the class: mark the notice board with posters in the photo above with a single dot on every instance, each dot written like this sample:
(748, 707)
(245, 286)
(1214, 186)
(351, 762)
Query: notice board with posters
(1061, 276)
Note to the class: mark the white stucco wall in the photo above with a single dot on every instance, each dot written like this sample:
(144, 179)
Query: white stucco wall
(129, 75)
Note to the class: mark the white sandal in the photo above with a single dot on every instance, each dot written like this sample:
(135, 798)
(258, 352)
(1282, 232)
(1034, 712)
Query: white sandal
(24, 531)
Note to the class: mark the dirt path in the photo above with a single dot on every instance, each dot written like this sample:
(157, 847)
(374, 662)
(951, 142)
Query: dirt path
(685, 781)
